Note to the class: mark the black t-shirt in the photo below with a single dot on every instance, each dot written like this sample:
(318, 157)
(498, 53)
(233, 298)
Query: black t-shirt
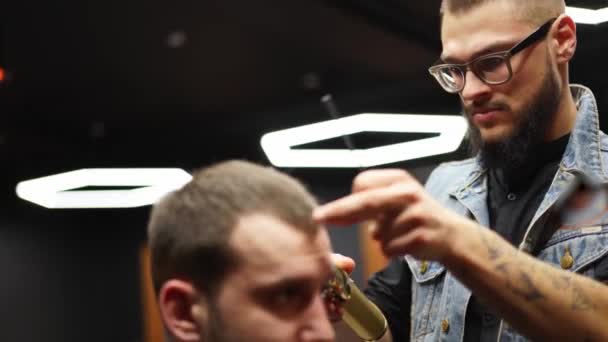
(391, 289)
(513, 199)
(512, 202)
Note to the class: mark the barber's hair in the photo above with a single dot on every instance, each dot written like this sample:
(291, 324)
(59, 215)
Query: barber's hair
(189, 229)
(535, 12)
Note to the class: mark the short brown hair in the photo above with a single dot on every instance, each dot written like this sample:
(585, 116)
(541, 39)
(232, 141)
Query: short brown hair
(536, 12)
(190, 228)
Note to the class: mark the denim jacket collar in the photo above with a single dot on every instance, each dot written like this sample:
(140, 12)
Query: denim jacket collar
(584, 148)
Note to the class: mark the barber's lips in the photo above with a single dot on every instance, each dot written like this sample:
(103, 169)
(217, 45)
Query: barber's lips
(486, 117)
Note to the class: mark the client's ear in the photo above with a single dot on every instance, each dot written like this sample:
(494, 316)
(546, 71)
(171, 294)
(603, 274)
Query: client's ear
(183, 310)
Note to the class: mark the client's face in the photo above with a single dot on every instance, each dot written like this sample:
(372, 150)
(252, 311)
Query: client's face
(274, 295)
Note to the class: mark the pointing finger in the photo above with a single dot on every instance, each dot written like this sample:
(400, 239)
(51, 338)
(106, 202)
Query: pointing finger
(379, 178)
(367, 205)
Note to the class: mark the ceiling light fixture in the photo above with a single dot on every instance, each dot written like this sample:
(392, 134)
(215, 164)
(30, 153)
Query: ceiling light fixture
(57, 191)
(588, 16)
(278, 145)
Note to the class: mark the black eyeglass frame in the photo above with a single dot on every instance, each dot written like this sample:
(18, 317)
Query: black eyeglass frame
(535, 36)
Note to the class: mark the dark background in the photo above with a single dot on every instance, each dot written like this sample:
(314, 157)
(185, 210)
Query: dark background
(184, 84)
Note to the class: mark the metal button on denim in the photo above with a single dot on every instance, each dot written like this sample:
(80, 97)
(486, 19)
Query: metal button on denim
(489, 319)
(445, 325)
(424, 266)
(567, 260)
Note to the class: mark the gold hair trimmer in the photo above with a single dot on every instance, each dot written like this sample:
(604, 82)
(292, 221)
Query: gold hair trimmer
(360, 314)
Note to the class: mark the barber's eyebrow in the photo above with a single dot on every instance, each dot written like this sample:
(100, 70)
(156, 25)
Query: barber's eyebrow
(492, 48)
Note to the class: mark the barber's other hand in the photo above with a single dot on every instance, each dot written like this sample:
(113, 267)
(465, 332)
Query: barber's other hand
(400, 213)
(345, 263)
(334, 310)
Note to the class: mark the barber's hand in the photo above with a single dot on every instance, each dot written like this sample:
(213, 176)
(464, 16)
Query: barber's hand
(402, 216)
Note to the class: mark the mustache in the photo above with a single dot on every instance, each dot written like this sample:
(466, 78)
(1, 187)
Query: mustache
(477, 107)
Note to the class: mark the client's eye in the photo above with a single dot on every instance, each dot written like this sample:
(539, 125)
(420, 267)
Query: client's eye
(292, 295)
(290, 299)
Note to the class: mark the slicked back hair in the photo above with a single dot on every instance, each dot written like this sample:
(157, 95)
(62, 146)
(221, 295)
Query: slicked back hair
(189, 229)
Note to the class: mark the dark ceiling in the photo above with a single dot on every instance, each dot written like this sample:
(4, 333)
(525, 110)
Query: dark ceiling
(184, 83)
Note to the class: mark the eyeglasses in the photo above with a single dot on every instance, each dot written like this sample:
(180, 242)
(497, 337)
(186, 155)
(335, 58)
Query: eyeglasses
(492, 69)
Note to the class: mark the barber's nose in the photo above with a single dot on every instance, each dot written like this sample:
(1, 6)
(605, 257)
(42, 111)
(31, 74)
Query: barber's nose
(318, 326)
(474, 88)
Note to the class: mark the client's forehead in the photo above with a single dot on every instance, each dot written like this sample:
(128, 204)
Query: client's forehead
(266, 245)
(265, 240)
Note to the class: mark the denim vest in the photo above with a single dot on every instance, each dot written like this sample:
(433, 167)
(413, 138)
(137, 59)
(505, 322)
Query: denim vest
(439, 300)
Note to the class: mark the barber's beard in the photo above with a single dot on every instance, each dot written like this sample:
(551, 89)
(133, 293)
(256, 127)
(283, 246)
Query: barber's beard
(515, 150)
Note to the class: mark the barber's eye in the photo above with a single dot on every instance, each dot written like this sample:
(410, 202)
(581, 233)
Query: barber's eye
(451, 74)
(489, 64)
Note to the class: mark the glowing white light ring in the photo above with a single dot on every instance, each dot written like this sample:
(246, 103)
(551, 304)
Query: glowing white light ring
(587, 16)
(278, 145)
(51, 191)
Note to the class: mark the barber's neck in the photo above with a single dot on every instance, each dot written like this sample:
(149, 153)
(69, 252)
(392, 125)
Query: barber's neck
(565, 117)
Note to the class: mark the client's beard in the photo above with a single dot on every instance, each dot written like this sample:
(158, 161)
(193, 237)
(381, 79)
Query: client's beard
(515, 151)
(217, 329)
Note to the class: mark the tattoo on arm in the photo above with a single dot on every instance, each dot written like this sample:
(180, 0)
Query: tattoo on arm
(493, 252)
(527, 280)
(524, 286)
(560, 282)
(520, 280)
(580, 300)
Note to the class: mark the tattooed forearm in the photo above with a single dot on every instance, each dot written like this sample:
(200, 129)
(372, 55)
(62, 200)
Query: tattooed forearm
(528, 289)
(565, 283)
(524, 286)
(560, 282)
(530, 294)
(580, 300)
(518, 280)
(493, 251)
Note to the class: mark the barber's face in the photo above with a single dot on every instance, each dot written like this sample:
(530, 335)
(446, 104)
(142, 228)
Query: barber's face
(274, 295)
(497, 111)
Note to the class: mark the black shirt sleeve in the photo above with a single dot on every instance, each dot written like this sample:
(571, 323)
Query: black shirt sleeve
(390, 290)
(601, 270)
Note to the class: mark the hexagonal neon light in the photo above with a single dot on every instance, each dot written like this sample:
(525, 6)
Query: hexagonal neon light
(588, 16)
(278, 145)
(53, 191)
